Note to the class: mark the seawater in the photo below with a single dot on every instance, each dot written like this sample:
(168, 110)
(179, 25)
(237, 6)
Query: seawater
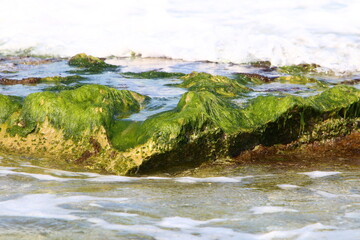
(326, 32)
(255, 202)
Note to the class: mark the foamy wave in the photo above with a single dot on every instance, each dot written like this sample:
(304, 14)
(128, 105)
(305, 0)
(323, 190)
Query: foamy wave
(282, 31)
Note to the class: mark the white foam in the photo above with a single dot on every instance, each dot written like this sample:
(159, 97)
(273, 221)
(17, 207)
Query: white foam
(270, 209)
(46, 206)
(123, 214)
(287, 186)
(188, 233)
(282, 31)
(319, 174)
(209, 179)
(300, 233)
(112, 178)
(180, 222)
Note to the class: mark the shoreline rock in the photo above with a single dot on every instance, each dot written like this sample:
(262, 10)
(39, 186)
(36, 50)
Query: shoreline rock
(86, 125)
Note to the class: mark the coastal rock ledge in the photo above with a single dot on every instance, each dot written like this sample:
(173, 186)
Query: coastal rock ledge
(89, 126)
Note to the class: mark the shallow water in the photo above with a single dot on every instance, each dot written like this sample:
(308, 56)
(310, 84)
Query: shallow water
(254, 201)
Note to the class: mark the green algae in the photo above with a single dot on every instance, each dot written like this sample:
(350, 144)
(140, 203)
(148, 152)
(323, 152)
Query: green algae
(77, 112)
(8, 106)
(197, 113)
(251, 79)
(152, 75)
(297, 79)
(60, 79)
(219, 85)
(298, 69)
(89, 64)
(59, 88)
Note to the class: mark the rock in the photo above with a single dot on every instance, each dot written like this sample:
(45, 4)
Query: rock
(60, 79)
(299, 69)
(86, 126)
(252, 78)
(89, 64)
(152, 75)
(32, 80)
(297, 79)
(219, 85)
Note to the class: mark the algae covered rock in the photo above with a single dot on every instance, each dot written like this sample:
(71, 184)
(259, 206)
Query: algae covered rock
(70, 125)
(89, 64)
(297, 79)
(218, 85)
(60, 79)
(8, 105)
(299, 69)
(78, 111)
(86, 126)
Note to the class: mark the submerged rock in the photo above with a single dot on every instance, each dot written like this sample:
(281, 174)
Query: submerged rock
(86, 126)
(24, 81)
(152, 75)
(36, 80)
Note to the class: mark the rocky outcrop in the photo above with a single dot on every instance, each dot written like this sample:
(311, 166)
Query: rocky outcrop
(87, 125)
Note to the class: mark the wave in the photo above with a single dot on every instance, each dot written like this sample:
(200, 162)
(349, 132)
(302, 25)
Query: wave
(285, 32)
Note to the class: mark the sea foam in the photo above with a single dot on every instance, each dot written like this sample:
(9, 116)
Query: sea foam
(285, 32)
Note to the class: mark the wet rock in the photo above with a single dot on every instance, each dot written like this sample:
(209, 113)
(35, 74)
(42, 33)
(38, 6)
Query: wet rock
(299, 69)
(351, 82)
(24, 81)
(60, 79)
(87, 126)
(152, 75)
(89, 64)
(297, 79)
(219, 85)
(252, 78)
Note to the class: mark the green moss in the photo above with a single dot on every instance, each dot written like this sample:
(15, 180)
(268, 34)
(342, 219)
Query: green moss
(59, 88)
(218, 85)
(301, 80)
(89, 64)
(197, 114)
(340, 100)
(59, 79)
(79, 111)
(152, 75)
(261, 64)
(251, 79)
(298, 69)
(8, 105)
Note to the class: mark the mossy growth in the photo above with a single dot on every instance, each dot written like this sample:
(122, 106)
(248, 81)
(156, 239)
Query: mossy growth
(299, 69)
(198, 113)
(339, 101)
(89, 64)
(152, 75)
(9, 105)
(251, 78)
(297, 79)
(219, 85)
(77, 112)
(65, 80)
(284, 119)
(260, 64)
(59, 88)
